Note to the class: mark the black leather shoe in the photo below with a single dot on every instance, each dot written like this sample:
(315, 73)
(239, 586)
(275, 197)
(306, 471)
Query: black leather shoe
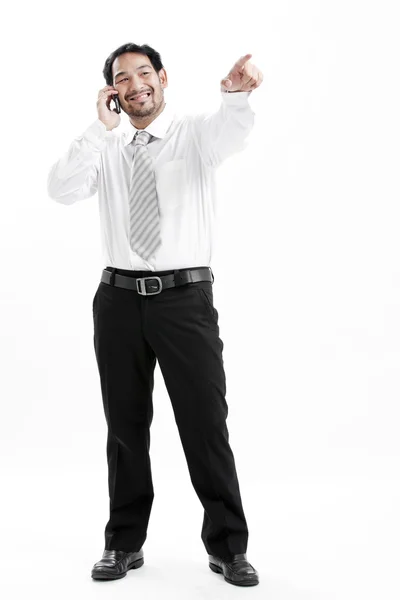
(237, 571)
(115, 564)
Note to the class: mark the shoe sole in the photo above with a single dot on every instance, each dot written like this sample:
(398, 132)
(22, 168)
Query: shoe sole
(102, 575)
(217, 569)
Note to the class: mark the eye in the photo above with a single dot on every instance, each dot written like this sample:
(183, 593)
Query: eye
(146, 73)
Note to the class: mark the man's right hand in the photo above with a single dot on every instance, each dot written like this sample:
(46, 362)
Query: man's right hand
(109, 117)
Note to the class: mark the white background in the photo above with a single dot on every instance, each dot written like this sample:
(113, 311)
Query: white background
(307, 286)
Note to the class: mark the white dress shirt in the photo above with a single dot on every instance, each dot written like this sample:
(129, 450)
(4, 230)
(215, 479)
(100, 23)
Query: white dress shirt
(185, 152)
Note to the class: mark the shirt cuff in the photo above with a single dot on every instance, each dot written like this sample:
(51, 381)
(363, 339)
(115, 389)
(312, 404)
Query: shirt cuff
(237, 98)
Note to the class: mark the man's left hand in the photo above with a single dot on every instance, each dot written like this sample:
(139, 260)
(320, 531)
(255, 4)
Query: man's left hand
(243, 77)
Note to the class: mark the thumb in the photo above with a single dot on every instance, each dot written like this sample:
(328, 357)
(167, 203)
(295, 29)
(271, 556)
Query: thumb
(226, 82)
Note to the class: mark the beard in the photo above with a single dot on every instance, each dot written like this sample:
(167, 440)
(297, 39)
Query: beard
(145, 108)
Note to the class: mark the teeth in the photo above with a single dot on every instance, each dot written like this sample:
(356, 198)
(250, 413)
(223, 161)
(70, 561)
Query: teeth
(141, 96)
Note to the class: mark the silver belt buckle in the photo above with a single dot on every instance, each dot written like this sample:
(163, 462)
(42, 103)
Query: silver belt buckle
(143, 291)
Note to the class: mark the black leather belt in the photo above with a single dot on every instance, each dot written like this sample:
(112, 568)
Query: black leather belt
(154, 284)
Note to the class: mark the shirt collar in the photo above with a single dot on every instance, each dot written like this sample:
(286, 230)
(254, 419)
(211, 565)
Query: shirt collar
(158, 128)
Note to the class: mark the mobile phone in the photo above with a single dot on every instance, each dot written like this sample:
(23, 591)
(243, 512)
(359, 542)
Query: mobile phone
(117, 104)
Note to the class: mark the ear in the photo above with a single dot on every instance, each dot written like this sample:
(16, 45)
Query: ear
(162, 75)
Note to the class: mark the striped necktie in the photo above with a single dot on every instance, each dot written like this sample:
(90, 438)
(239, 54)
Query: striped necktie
(143, 202)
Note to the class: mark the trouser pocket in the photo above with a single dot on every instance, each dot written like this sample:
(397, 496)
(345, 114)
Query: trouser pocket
(94, 302)
(207, 299)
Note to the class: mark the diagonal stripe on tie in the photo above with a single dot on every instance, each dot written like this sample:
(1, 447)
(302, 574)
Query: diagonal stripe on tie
(154, 247)
(140, 176)
(141, 191)
(140, 170)
(149, 236)
(138, 216)
(141, 226)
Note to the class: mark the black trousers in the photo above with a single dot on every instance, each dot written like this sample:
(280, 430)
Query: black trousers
(179, 327)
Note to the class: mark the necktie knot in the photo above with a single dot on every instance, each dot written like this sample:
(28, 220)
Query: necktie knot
(142, 138)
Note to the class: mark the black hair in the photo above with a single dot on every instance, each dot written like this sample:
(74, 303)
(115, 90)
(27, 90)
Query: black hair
(152, 54)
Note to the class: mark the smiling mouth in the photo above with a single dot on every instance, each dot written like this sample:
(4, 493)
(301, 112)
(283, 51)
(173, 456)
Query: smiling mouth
(141, 98)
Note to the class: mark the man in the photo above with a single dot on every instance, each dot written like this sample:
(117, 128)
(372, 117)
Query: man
(155, 183)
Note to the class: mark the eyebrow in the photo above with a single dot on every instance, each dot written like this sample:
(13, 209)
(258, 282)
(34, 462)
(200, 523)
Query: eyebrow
(126, 72)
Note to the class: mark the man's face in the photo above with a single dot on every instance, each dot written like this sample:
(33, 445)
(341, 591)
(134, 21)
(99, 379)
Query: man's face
(132, 74)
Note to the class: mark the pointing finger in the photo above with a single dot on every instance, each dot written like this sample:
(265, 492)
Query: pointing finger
(241, 62)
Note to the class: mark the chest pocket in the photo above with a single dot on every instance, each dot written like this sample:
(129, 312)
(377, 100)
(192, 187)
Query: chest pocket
(171, 183)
